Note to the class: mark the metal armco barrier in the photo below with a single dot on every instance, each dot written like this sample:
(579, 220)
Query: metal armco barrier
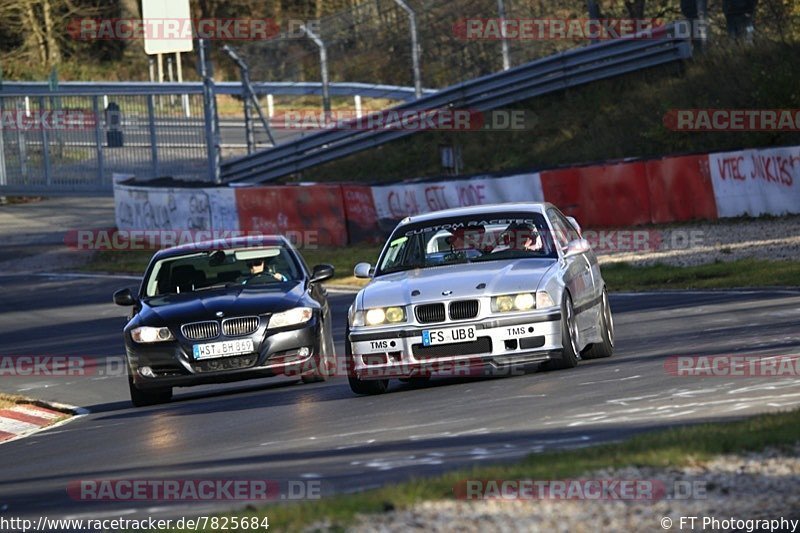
(79, 88)
(550, 74)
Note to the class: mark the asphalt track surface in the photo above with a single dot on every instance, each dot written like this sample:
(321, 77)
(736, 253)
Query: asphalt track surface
(280, 429)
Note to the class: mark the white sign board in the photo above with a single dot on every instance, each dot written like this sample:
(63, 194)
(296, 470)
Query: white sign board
(756, 182)
(168, 26)
(149, 208)
(395, 202)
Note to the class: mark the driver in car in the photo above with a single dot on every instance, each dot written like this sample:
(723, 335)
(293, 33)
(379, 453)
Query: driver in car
(258, 268)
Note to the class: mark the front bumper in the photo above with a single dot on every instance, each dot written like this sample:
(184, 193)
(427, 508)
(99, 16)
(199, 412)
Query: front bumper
(173, 364)
(380, 353)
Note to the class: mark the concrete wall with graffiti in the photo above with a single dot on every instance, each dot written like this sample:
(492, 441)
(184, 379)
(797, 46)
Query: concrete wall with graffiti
(749, 182)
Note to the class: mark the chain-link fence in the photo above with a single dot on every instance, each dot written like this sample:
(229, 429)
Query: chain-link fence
(372, 42)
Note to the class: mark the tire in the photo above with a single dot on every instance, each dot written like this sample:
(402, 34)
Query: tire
(603, 349)
(321, 365)
(569, 352)
(143, 398)
(361, 386)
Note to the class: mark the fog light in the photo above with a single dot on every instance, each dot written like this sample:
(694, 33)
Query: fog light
(305, 351)
(146, 372)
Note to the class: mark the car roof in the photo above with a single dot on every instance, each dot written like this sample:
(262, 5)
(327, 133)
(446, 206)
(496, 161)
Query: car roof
(477, 210)
(249, 241)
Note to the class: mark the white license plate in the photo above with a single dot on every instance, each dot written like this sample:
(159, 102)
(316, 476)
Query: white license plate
(432, 337)
(223, 349)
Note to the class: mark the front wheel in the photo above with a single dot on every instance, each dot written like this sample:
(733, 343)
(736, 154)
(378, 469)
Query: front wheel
(606, 347)
(569, 337)
(360, 386)
(324, 363)
(143, 398)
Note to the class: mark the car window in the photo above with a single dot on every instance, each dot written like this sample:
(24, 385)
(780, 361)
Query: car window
(560, 230)
(489, 237)
(572, 233)
(220, 269)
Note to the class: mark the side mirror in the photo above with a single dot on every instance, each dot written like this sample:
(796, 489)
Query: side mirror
(578, 246)
(363, 271)
(124, 297)
(575, 225)
(321, 273)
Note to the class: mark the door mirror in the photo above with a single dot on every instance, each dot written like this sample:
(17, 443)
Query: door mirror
(575, 225)
(124, 297)
(576, 247)
(363, 271)
(321, 273)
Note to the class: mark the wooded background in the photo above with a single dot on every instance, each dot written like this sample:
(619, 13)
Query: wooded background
(368, 40)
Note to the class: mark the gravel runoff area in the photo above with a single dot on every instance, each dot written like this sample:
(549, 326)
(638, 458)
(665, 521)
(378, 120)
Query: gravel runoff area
(698, 243)
(755, 486)
(32, 234)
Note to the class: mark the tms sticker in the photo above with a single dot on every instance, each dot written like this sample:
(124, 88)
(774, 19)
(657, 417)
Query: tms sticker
(379, 345)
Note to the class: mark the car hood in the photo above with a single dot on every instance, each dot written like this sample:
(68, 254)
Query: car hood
(499, 277)
(193, 307)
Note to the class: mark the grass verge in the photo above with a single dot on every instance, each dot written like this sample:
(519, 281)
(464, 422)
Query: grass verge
(343, 260)
(664, 449)
(10, 400)
(618, 276)
(742, 273)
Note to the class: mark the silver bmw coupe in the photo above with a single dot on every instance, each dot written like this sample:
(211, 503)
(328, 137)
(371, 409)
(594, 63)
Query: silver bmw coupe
(487, 287)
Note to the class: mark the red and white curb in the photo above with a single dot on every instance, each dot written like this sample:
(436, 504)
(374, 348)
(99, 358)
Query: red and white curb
(26, 419)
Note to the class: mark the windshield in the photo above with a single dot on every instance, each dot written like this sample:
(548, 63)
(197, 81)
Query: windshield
(492, 237)
(216, 269)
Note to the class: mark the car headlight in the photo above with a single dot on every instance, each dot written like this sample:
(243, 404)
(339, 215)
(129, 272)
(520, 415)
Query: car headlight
(378, 316)
(524, 301)
(292, 317)
(147, 335)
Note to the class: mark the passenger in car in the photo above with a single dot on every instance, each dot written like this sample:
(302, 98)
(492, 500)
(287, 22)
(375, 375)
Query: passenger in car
(519, 236)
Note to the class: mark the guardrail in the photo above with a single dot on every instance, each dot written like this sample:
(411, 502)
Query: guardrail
(392, 92)
(557, 72)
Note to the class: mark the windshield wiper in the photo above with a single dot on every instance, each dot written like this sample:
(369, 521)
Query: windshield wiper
(218, 286)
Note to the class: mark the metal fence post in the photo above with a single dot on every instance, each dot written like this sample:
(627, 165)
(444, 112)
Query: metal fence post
(151, 121)
(594, 15)
(3, 177)
(209, 112)
(98, 139)
(501, 14)
(21, 146)
(250, 101)
(412, 21)
(45, 146)
(323, 59)
(250, 137)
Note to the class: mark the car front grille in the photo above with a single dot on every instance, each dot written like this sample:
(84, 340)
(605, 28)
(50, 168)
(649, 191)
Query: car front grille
(237, 327)
(198, 331)
(483, 345)
(430, 313)
(463, 309)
